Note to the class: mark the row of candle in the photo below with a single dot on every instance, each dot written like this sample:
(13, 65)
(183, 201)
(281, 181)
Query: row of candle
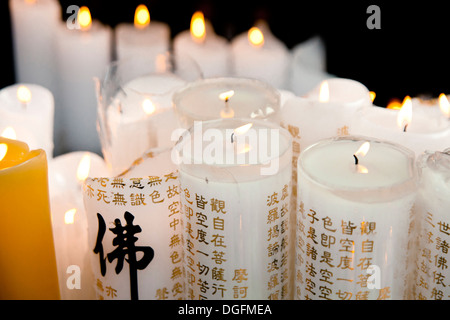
(65, 56)
(215, 184)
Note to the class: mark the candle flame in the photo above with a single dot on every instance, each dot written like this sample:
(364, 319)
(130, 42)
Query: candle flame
(148, 106)
(23, 94)
(83, 167)
(69, 216)
(256, 37)
(198, 29)
(225, 96)
(363, 149)
(444, 105)
(84, 18)
(242, 129)
(9, 133)
(3, 150)
(404, 115)
(141, 17)
(324, 92)
(362, 169)
(243, 148)
(372, 95)
(394, 104)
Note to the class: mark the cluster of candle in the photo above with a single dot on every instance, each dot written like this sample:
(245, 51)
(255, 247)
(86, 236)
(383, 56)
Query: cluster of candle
(225, 187)
(67, 55)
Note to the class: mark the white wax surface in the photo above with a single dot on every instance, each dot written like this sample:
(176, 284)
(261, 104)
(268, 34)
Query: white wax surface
(200, 100)
(149, 41)
(33, 26)
(33, 122)
(212, 55)
(81, 57)
(334, 165)
(268, 63)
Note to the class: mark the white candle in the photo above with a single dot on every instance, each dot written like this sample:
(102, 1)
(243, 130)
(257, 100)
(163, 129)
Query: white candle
(81, 54)
(149, 265)
(423, 130)
(210, 99)
(259, 54)
(432, 213)
(236, 235)
(135, 112)
(353, 220)
(33, 24)
(66, 176)
(143, 38)
(308, 66)
(28, 109)
(210, 51)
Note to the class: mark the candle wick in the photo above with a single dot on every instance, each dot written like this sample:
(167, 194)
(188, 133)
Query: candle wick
(232, 137)
(406, 126)
(356, 160)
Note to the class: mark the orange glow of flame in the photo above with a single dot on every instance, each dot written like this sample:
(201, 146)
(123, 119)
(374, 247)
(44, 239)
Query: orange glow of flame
(141, 17)
(394, 104)
(242, 129)
(148, 106)
(69, 216)
(84, 18)
(444, 105)
(361, 152)
(256, 37)
(9, 133)
(83, 167)
(198, 28)
(324, 92)
(225, 96)
(3, 150)
(23, 94)
(404, 115)
(372, 95)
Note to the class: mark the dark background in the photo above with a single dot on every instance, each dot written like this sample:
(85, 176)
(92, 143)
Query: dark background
(408, 56)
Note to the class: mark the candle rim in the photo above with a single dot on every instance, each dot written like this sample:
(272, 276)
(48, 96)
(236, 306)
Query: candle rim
(28, 156)
(407, 186)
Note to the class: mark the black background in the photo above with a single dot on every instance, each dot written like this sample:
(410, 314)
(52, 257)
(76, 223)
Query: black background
(408, 56)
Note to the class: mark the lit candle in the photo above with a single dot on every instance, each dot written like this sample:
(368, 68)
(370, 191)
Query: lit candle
(28, 268)
(209, 50)
(81, 55)
(210, 99)
(134, 229)
(259, 54)
(353, 220)
(33, 23)
(434, 233)
(143, 38)
(28, 109)
(235, 197)
(135, 110)
(407, 126)
(66, 177)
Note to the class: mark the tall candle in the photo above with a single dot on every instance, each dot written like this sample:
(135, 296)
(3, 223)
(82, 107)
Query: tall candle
(33, 24)
(210, 99)
(355, 199)
(27, 255)
(235, 217)
(260, 55)
(81, 55)
(29, 110)
(209, 50)
(432, 213)
(143, 38)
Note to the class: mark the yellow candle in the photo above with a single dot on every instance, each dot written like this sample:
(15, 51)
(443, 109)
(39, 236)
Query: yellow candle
(27, 254)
